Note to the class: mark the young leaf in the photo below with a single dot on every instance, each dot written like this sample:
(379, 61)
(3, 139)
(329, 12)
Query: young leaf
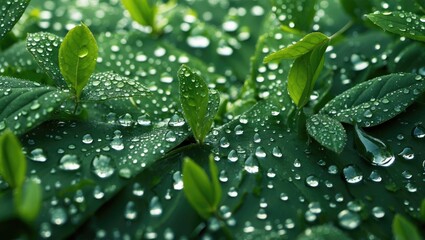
(108, 85)
(303, 46)
(28, 200)
(373, 150)
(77, 58)
(375, 101)
(198, 189)
(199, 105)
(141, 11)
(215, 183)
(303, 74)
(13, 165)
(327, 131)
(11, 12)
(44, 47)
(323, 232)
(403, 229)
(406, 24)
(36, 101)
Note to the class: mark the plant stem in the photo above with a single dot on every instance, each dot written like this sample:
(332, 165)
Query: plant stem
(342, 30)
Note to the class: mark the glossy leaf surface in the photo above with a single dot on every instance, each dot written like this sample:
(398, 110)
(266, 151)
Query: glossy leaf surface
(13, 165)
(327, 131)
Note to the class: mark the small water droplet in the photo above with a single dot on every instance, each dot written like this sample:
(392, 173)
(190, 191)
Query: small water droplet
(69, 162)
(348, 219)
(312, 181)
(155, 208)
(407, 153)
(58, 216)
(130, 212)
(83, 52)
(352, 174)
(38, 155)
(251, 164)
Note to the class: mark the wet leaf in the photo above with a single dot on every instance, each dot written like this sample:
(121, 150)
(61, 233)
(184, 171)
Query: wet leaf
(304, 73)
(215, 183)
(303, 46)
(11, 12)
(77, 58)
(199, 110)
(403, 229)
(406, 24)
(198, 189)
(28, 200)
(108, 85)
(44, 47)
(13, 165)
(327, 131)
(377, 100)
(32, 104)
(323, 232)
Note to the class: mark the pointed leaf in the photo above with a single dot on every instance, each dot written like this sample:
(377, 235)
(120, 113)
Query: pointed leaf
(406, 24)
(328, 132)
(28, 200)
(24, 104)
(13, 165)
(303, 46)
(11, 12)
(77, 57)
(303, 74)
(108, 85)
(198, 189)
(44, 47)
(376, 101)
(141, 11)
(194, 97)
(403, 229)
(215, 183)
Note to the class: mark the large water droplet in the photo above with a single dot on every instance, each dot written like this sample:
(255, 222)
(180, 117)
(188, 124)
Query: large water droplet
(69, 162)
(373, 150)
(418, 132)
(352, 174)
(348, 219)
(103, 166)
(155, 208)
(83, 52)
(251, 164)
(58, 216)
(38, 155)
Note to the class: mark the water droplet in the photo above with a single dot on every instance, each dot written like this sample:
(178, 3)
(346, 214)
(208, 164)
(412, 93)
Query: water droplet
(87, 139)
(260, 153)
(373, 150)
(312, 181)
(374, 176)
(352, 174)
(277, 152)
(251, 164)
(130, 212)
(378, 212)
(178, 181)
(358, 63)
(138, 190)
(38, 155)
(348, 219)
(407, 153)
(176, 121)
(198, 41)
(83, 52)
(103, 166)
(155, 208)
(69, 162)
(233, 156)
(58, 216)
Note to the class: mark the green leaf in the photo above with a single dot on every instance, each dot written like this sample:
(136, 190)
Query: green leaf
(215, 183)
(141, 11)
(327, 131)
(108, 85)
(198, 189)
(421, 3)
(303, 46)
(44, 47)
(406, 24)
(28, 200)
(199, 110)
(13, 165)
(357, 8)
(323, 232)
(77, 58)
(24, 104)
(403, 229)
(377, 100)
(304, 72)
(11, 12)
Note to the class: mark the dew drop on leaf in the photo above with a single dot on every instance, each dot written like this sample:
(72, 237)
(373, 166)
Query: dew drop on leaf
(103, 166)
(58, 216)
(130, 212)
(251, 164)
(348, 220)
(352, 174)
(155, 208)
(69, 162)
(38, 155)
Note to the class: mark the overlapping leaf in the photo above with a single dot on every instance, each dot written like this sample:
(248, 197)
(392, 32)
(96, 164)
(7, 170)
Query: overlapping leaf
(327, 131)
(11, 12)
(377, 100)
